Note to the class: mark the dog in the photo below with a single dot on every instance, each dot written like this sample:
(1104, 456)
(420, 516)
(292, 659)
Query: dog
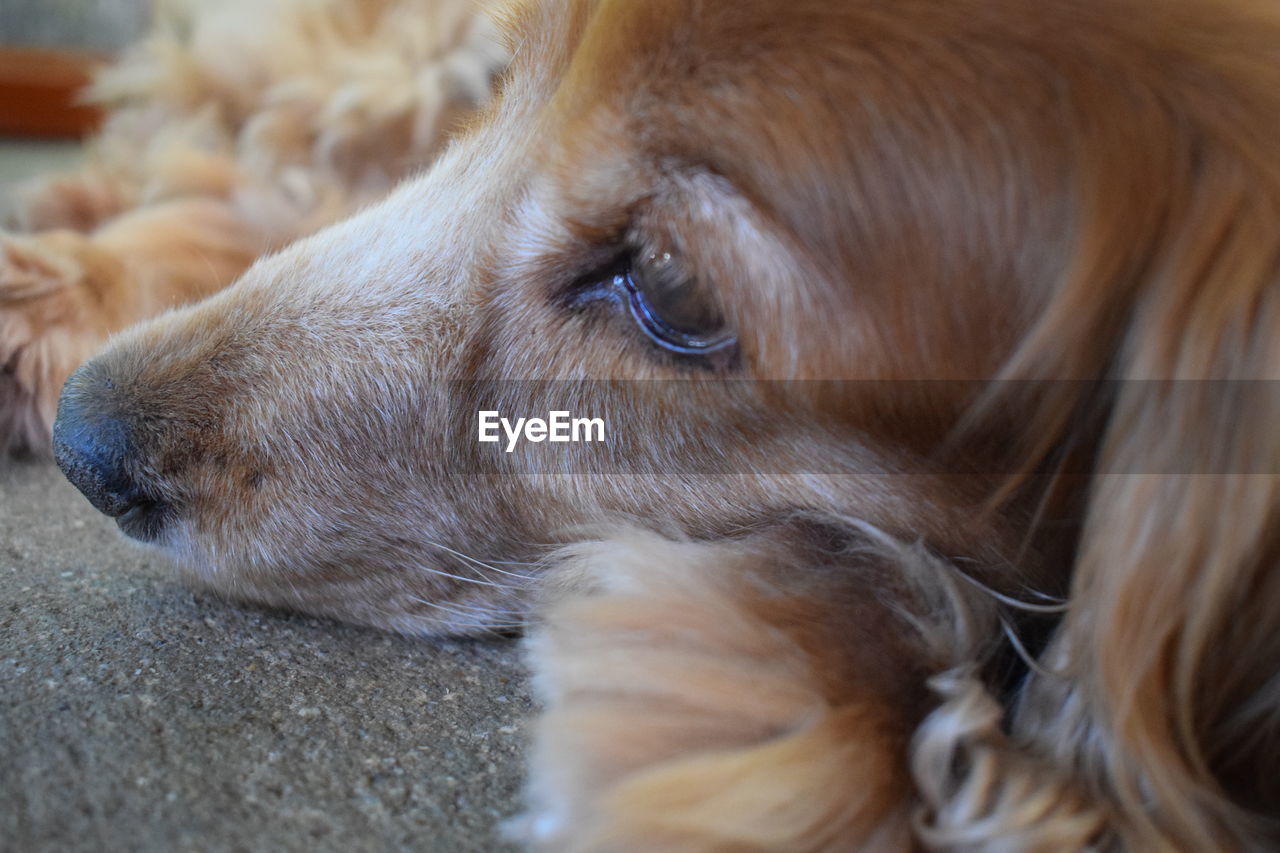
(936, 344)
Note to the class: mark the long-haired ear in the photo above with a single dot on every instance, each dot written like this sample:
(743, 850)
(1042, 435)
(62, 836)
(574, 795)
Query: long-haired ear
(1164, 692)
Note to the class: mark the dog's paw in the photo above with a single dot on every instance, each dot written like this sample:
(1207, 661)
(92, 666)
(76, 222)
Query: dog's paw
(681, 715)
(51, 290)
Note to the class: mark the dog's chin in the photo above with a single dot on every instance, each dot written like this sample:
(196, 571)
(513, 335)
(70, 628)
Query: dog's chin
(145, 521)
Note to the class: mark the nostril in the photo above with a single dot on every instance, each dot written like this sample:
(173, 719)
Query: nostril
(93, 451)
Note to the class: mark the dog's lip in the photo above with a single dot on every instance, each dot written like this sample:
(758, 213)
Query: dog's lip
(144, 520)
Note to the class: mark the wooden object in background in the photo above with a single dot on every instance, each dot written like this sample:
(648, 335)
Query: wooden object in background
(39, 93)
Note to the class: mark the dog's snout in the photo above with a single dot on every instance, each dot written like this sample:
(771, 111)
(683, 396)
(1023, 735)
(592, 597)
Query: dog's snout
(92, 447)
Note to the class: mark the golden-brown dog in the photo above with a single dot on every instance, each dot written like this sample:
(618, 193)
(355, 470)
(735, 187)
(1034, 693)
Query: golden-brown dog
(935, 342)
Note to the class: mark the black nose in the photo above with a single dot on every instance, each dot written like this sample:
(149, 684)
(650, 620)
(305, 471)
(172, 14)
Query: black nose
(93, 449)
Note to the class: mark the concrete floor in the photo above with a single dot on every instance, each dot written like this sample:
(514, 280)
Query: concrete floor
(137, 715)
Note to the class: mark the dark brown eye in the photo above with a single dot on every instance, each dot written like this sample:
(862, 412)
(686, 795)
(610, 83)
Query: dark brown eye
(668, 308)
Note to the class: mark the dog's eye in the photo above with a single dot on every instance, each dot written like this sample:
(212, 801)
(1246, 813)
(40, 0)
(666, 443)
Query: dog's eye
(668, 308)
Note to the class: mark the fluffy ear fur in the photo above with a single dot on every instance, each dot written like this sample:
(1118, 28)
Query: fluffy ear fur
(48, 284)
(756, 694)
(1172, 644)
(1156, 712)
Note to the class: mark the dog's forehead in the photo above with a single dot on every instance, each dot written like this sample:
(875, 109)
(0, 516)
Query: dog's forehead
(673, 69)
(650, 88)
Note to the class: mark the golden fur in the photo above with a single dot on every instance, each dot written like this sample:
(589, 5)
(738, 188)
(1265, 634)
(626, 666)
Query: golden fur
(994, 564)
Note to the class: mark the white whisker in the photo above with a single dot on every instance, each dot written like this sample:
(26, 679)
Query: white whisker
(465, 612)
(478, 581)
(1014, 602)
(483, 564)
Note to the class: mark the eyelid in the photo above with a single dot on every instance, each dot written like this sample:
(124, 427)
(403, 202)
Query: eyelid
(672, 339)
(615, 281)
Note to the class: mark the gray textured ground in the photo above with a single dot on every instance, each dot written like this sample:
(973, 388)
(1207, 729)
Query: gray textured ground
(136, 715)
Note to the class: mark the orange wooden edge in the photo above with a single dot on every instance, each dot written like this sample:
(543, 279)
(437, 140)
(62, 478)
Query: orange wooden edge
(40, 90)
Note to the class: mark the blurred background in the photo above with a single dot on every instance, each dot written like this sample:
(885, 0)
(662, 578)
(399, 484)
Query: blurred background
(103, 26)
(48, 49)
